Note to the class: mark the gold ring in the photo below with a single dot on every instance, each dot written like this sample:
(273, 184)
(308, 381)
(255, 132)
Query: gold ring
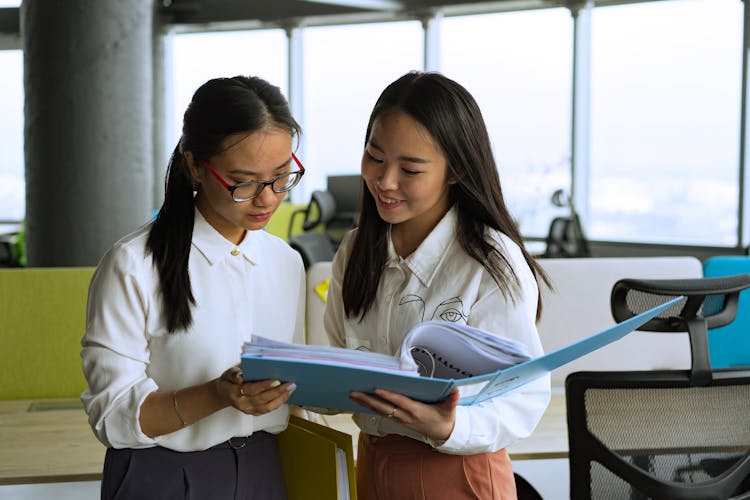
(242, 393)
(393, 412)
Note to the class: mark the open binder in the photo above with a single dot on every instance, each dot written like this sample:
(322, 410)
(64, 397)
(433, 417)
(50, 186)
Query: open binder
(327, 384)
(317, 462)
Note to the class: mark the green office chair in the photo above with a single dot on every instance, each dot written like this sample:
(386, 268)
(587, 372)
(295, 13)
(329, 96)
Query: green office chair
(664, 434)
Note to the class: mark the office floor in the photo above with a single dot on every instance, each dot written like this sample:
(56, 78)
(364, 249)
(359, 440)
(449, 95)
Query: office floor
(85, 490)
(549, 477)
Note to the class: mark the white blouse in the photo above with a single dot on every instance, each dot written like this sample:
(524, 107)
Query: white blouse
(441, 281)
(127, 352)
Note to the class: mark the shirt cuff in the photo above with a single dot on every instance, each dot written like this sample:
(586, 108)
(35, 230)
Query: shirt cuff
(458, 438)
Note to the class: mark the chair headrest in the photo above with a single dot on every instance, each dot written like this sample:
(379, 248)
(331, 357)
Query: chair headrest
(711, 299)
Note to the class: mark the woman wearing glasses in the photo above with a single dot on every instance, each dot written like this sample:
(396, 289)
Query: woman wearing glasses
(171, 304)
(435, 241)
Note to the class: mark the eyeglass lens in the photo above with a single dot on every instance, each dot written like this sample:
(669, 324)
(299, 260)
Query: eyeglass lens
(280, 184)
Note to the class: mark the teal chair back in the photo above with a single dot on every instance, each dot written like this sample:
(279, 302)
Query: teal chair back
(729, 346)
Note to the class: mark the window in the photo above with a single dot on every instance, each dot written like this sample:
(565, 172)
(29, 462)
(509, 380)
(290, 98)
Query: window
(345, 70)
(12, 182)
(518, 67)
(665, 122)
(198, 57)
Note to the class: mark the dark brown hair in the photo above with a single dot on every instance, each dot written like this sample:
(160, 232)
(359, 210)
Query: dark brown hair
(220, 107)
(452, 117)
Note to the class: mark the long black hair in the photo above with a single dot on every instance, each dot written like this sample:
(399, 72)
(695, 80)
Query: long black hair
(219, 108)
(452, 117)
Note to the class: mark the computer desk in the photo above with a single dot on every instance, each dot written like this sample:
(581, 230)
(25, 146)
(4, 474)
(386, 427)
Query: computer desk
(54, 443)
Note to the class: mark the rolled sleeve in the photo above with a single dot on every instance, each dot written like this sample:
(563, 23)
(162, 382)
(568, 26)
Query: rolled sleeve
(499, 422)
(115, 353)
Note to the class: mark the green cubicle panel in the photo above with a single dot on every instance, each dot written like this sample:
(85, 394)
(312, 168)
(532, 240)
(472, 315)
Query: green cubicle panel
(42, 320)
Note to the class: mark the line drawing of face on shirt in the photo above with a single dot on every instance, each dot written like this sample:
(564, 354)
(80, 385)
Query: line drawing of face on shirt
(450, 310)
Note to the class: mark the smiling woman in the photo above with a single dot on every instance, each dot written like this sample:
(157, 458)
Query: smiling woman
(435, 240)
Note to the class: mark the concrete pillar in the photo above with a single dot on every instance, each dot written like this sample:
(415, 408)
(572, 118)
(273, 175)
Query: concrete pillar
(88, 126)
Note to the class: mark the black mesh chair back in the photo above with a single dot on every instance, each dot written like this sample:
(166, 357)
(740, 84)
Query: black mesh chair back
(524, 489)
(664, 434)
(565, 238)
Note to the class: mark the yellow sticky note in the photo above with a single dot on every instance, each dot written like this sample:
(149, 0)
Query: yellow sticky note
(322, 290)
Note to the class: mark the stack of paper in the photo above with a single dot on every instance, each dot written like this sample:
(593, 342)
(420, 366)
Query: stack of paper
(268, 348)
(451, 350)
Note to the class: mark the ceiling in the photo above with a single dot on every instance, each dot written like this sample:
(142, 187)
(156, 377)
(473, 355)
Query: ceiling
(229, 14)
(191, 12)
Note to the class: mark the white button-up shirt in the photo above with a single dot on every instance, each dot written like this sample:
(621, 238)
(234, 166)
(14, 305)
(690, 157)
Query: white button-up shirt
(127, 352)
(441, 281)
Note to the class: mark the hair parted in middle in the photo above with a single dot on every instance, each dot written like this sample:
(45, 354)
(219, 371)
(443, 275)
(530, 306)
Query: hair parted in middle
(452, 117)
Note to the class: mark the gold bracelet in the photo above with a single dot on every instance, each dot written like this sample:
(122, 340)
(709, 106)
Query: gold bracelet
(177, 409)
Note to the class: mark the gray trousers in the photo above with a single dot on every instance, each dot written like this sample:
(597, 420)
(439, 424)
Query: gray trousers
(227, 471)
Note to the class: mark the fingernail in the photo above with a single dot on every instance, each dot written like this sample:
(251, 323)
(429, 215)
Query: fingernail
(291, 387)
(275, 383)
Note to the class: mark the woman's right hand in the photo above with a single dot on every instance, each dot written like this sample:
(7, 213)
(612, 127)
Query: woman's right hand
(252, 398)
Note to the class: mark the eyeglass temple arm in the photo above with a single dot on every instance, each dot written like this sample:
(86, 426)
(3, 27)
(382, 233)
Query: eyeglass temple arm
(299, 164)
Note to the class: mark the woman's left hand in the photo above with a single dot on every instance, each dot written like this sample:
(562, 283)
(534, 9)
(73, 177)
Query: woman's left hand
(252, 398)
(433, 420)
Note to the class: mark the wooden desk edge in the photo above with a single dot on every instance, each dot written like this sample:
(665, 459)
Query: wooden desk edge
(57, 478)
(538, 455)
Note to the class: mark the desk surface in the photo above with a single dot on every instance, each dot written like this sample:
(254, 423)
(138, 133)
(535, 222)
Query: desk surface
(47, 445)
(54, 443)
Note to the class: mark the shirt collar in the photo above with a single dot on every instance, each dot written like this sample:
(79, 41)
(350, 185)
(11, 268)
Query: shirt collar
(215, 247)
(425, 260)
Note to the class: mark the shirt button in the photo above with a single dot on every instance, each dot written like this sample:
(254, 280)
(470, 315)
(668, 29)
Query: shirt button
(235, 251)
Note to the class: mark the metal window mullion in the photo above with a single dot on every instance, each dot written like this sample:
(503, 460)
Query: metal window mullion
(580, 165)
(295, 55)
(432, 55)
(743, 227)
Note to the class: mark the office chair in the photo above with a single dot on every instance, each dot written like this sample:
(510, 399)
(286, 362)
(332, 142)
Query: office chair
(312, 247)
(565, 239)
(319, 211)
(565, 236)
(664, 434)
(324, 223)
(524, 489)
(313, 244)
(346, 191)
